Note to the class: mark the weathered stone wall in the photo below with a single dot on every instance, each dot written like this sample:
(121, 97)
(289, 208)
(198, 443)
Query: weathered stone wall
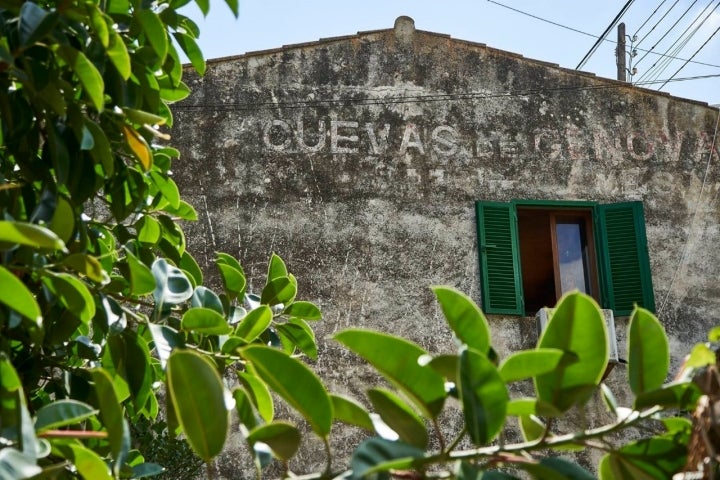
(359, 159)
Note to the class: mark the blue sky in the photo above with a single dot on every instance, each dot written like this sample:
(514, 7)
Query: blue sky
(265, 24)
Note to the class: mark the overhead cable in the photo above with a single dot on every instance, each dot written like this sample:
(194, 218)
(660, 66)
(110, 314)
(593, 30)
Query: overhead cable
(604, 34)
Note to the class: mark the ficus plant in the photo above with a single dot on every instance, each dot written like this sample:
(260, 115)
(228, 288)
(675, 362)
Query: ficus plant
(105, 320)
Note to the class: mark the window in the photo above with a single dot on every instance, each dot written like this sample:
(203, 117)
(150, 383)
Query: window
(531, 252)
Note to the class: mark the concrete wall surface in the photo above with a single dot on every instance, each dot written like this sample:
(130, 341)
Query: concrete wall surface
(359, 159)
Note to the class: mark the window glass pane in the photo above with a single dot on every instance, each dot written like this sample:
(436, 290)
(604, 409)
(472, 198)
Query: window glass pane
(572, 256)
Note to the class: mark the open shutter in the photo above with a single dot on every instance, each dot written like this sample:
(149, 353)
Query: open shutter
(500, 281)
(625, 272)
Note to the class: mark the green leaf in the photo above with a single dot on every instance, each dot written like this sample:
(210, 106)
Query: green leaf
(35, 23)
(399, 417)
(16, 296)
(609, 398)
(205, 321)
(185, 211)
(190, 266)
(198, 397)
(244, 407)
(154, 31)
(283, 438)
(88, 463)
(714, 334)
(112, 416)
(142, 280)
(300, 336)
(174, 93)
(233, 280)
(445, 365)
(648, 352)
(276, 268)
(146, 469)
(139, 147)
(167, 187)
(295, 383)
(397, 360)
(191, 49)
(531, 427)
(255, 322)
(700, 356)
(259, 395)
(464, 318)
(148, 230)
(20, 233)
(279, 290)
(349, 411)
(233, 4)
(166, 339)
(484, 396)
(530, 363)
(171, 285)
(557, 469)
(89, 76)
(118, 54)
(466, 471)
(88, 266)
(673, 395)
(101, 151)
(304, 310)
(531, 406)
(61, 413)
(204, 297)
(380, 455)
(577, 326)
(63, 220)
(72, 294)
(227, 259)
(142, 117)
(99, 24)
(16, 465)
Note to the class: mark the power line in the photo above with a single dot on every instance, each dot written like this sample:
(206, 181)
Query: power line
(444, 97)
(668, 31)
(680, 43)
(658, 22)
(527, 14)
(648, 19)
(696, 52)
(605, 33)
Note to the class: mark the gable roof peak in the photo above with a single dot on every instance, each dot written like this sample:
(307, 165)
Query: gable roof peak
(404, 29)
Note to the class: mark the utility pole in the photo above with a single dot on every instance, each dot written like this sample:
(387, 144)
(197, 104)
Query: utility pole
(620, 54)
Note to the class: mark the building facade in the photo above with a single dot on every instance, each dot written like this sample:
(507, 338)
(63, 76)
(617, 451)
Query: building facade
(379, 164)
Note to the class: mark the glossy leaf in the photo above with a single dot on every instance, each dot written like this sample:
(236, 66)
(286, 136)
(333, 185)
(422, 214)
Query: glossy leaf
(87, 265)
(648, 352)
(378, 454)
(399, 417)
(191, 49)
(168, 188)
(205, 321)
(154, 31)
(557, 469)
(244, 408)
(142, 280)
(72, 294)
(276, 268)
(63, 220)
(255, 322)
(88, 463)
(118, 54)
(35, 23)
(466, 471)
(397, 360)
(464, 318)
(283, 438)
(300, 336)
(259, 395)
(531, 427)
(530, 363)
(484, 396)
(20, 233)
(700, 356)
(233, 280)
(190, 266)
(575, 326)
(148, 230)
(279, 290)
(204, 297)
(61, 413)
(166, 339)
(531, 406)
(295, 383)
(198, 398)
(673, 395)
(16, 296)
(101, 151)
(351, 412)
(87, 73)
(171, 285)
(112, 416)
(15, 465)
(304, 310)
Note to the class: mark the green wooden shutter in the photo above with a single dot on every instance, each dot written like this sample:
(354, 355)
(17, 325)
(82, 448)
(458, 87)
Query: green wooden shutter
(500, 281)
(625, 265)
